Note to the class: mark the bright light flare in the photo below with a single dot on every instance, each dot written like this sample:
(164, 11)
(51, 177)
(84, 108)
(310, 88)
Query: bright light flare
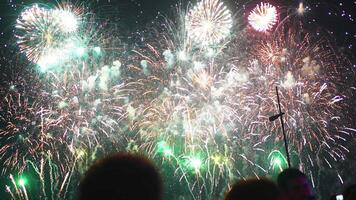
(22, 181)
(195, 163)
(301, 8)
(263, 17)
(67, 21)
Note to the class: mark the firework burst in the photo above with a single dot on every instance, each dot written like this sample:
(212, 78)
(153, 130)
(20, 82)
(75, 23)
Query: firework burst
(192, 112)
(263, 17)
(86, 103)
(307, 73)
(23, 129)
(33, 23)
(208, 115)
(53, 180)
(209, 22)
(49, 37)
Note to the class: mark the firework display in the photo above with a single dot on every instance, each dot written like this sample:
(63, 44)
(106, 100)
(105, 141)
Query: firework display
(263, 17)
(195, 96)
(49, 37)
(209, 22)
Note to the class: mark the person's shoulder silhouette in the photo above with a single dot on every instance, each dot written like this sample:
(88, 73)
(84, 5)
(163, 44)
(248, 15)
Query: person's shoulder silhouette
(121, 176)
(253, 189)
(295, 185)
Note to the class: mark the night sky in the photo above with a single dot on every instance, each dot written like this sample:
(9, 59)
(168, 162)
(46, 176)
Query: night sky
(337, 18)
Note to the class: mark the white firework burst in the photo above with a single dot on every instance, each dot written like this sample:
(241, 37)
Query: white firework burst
(34, 31)
(263, 17)
(49, 36)
(209, 22)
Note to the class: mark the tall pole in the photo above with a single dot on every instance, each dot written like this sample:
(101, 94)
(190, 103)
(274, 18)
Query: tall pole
(280, 115)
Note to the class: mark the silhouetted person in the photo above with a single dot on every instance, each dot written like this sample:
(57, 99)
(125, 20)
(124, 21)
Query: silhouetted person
(350, 193)
(121, 176)
(351, 196)
(295, 185)
(253, 189)
(333, 197)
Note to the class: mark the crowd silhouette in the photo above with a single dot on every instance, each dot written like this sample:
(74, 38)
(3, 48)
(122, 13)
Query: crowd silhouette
(124, 176)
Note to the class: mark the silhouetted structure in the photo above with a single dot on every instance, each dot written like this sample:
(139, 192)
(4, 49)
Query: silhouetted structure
(295, 185)
(280, 116)
(253, 189)
(121, 176)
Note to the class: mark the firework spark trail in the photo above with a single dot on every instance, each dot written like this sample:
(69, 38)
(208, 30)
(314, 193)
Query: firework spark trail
(19, 193)
(87, 103)
(60, 118)
(82, 94)
(75, 111)
(209, 101)
(49, 175)
(21, 113)
(191, 106)
(306, 70)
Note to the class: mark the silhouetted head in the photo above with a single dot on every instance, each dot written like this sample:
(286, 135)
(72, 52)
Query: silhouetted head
(333, 197)
(295, 185)
(253, 189)
(121, 176)
(350, 193)
(351, 196)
